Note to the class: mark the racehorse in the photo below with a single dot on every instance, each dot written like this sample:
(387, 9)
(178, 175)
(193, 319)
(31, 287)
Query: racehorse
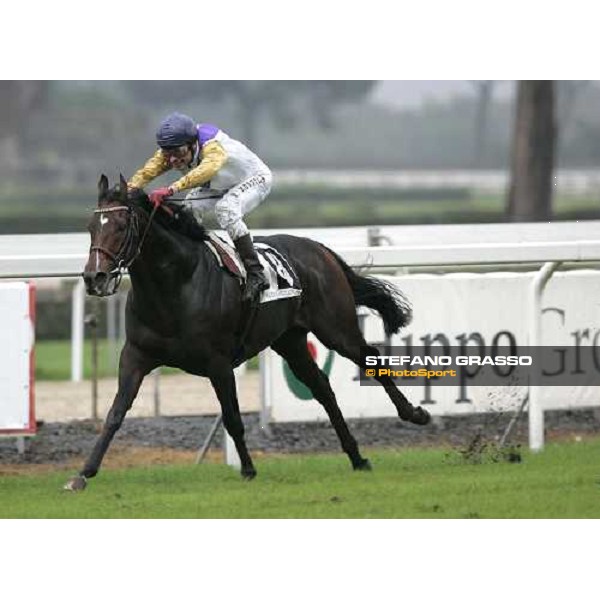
(185, 311)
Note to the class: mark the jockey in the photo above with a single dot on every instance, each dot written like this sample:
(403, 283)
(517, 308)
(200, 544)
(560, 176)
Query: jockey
(210, 160)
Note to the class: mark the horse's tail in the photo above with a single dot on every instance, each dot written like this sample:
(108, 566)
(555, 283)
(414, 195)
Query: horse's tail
(379, 295)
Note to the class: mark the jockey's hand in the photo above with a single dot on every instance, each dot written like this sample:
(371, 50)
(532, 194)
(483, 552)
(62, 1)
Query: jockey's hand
(157, 197)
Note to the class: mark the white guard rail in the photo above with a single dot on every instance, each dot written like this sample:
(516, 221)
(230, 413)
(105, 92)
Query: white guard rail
(64, 255)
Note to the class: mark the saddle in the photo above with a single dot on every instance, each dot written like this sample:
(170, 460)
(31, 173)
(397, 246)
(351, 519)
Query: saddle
(226, 256)
(283, 280)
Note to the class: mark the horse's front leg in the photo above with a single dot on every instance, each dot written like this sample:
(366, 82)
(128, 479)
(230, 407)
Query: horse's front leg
(225, 388)
(133, 367)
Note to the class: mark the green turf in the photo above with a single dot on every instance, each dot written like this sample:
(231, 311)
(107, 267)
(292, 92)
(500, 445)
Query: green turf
(561, 482)
(53, 360)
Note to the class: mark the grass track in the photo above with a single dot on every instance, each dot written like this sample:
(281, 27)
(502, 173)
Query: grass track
(561, 482)
(53, 360)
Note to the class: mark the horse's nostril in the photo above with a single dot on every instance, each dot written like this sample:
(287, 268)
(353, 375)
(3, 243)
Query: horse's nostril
(94, 279)
(88, 278)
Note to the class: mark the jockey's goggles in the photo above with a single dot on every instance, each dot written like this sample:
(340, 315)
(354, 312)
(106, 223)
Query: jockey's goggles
(177, 152)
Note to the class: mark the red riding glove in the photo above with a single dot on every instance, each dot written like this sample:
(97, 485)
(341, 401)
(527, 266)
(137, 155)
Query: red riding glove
(157, 197)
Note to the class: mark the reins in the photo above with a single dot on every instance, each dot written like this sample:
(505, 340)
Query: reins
(139, 250)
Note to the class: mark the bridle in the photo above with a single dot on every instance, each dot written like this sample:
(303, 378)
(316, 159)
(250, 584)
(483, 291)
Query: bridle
(127, 252)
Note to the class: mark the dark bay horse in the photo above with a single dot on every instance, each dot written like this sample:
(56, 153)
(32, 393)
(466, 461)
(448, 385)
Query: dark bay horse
(184, 311)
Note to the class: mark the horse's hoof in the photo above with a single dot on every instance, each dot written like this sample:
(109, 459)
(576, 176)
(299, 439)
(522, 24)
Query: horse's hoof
(420, 416)
(363, 465)
(248, 475)
(75, 484)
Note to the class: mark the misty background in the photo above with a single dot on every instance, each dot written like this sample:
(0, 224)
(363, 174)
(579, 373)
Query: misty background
(343, 152)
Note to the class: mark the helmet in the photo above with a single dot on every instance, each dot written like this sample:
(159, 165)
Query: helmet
(176, 130)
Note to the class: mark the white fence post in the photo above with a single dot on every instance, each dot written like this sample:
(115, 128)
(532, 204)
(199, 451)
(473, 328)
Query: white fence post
(232, 458)
(536, 409)
(77, 330)
(265, 391)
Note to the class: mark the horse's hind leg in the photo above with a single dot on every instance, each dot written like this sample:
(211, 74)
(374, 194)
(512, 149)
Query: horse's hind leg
(347, 340)
(225, 388)
(133, 367)
(406, 411)
(292, 347)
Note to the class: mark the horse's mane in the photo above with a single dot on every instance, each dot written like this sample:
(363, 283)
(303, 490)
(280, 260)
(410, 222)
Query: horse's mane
(182, 221)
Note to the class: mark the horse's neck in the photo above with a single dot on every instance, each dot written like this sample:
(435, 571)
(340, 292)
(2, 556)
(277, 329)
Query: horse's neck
(165, 263)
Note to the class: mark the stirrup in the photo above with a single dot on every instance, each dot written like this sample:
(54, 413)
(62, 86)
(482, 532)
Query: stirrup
(252, 291)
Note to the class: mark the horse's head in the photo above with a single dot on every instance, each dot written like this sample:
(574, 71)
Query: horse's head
(114, 235)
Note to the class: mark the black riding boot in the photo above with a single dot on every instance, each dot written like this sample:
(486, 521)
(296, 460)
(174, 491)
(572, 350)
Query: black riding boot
(256, 280)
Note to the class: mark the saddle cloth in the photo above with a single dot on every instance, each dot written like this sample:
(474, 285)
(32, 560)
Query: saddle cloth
(283, 280)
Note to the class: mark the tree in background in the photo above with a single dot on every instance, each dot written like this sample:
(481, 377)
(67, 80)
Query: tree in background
(18, 101)
(533, 150)
(281, 101)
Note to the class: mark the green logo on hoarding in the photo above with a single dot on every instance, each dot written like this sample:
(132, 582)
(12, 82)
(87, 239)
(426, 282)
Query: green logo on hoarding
(297, 387)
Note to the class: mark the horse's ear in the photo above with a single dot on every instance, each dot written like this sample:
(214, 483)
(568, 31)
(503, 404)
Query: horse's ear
(103, 187)
(123, 188)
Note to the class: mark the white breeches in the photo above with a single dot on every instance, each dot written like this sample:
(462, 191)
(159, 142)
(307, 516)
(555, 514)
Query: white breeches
(237, 202)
